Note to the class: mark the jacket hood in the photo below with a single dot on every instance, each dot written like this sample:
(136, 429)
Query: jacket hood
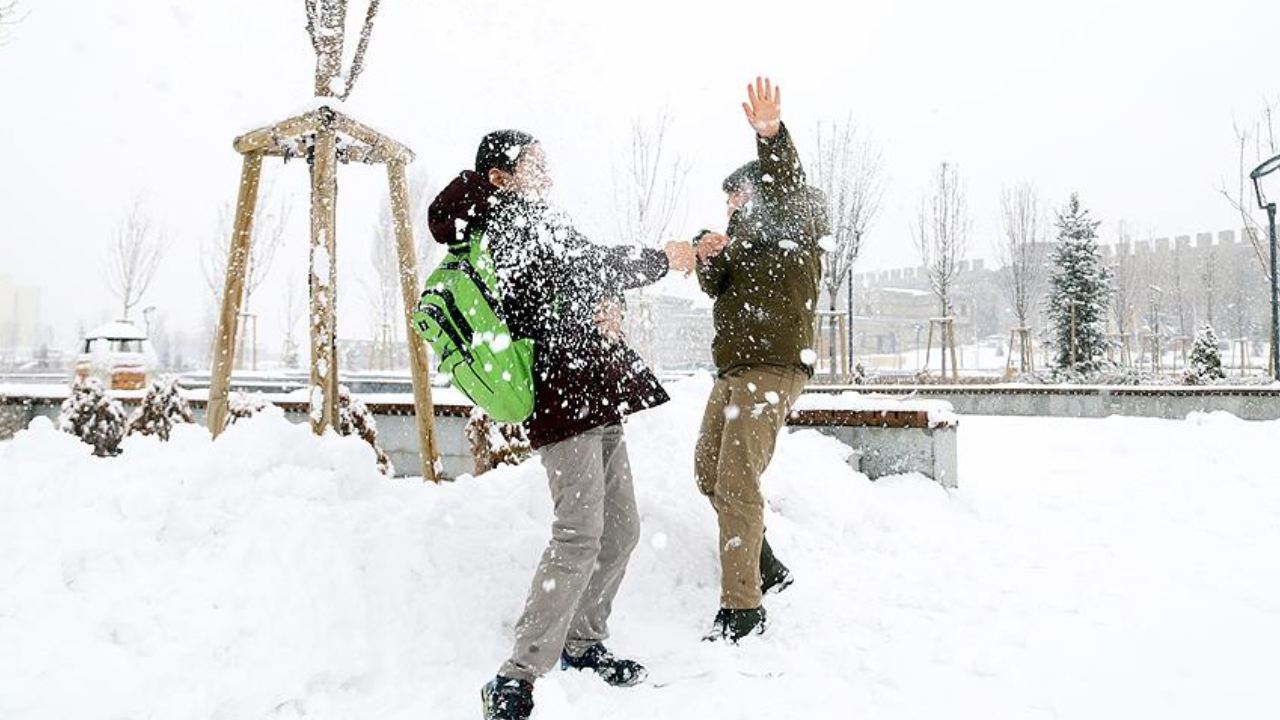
(464, 205)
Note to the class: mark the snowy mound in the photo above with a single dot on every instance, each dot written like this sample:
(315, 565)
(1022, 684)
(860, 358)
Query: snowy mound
(278, 575)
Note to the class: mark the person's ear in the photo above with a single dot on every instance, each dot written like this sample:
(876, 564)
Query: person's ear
(497, 178)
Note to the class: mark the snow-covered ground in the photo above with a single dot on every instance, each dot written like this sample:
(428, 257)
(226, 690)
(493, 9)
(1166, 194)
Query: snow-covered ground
(1119, 568)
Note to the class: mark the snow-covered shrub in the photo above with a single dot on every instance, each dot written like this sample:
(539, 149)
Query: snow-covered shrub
(1206, 361)
(241, 406)
(354, 418)
(161, 409)
(94, 417)
(494, 444)
(859, 376)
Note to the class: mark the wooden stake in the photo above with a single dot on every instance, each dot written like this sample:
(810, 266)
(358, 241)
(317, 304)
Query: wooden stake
(424, 407)
(951, 337)
(232, 295)
(323, 282)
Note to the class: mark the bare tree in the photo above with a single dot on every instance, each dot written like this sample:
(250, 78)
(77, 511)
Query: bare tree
(647, 184)
(8, 18)
(942, 234)
(291, 313)
(1020, 249)
(326, 24)
(383, 291)
(133, 257)
(269, 228)
(1255, 141)
(848, 167)
(1127, 284)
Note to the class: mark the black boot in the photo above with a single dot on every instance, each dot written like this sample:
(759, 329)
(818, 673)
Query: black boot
(774, 576)
(733, 625)
(507, 699)
(615, 671)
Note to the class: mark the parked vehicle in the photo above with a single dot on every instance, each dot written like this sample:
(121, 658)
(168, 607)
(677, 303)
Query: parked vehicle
(119, 355)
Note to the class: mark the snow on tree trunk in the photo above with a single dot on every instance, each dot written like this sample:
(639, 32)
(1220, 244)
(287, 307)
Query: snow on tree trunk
(161, 409)
(94, 417)
(494, 444)
(354, 418)
(1079, 292)
(1206, 361)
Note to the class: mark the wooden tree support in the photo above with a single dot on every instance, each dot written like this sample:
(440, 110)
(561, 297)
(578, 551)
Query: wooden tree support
(326, 138)
(1020, 338)
(946, 342)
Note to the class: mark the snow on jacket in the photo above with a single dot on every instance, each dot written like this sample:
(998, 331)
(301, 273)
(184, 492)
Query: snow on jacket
(553, 281)
(765, 284)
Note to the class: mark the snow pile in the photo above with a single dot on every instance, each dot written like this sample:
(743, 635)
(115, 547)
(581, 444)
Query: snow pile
(278, 575)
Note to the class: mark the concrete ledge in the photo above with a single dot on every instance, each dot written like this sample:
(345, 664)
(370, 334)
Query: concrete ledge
(886, 442)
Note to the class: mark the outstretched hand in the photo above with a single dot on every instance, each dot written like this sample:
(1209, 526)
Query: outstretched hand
(764, 107)
(681, 256)
(711, 244)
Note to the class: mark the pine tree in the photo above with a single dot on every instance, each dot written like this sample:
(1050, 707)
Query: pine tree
(1079, 292)
(94, 417)
(161, 409)
(1206, 362)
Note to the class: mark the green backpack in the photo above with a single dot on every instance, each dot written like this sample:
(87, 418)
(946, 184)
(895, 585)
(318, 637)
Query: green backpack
(459, 314)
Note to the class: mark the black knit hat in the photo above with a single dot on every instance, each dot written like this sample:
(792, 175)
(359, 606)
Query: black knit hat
(746, 176)
(502, 149)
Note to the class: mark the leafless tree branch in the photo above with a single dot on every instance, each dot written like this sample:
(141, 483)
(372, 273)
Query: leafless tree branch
(357, 63)
(647, 185)
(133, 257)
(1260, 137)
(849, 169)
(1020, 248)
(942, 232)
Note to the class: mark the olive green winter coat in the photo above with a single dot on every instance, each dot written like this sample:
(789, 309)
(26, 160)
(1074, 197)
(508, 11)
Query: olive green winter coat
(765, 283)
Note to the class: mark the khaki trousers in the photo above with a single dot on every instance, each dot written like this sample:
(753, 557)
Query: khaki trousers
(740, 427)
(596, 527)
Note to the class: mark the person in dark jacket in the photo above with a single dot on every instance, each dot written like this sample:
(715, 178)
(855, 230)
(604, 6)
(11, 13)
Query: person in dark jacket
(765, 288)
(565, 293)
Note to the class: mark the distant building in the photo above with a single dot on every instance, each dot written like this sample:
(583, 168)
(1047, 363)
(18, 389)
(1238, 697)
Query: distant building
(672, 334)
(19, 317)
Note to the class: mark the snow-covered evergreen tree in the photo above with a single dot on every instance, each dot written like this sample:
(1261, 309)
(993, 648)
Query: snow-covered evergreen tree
(93, 416)
(1206, 361)
(161, 409)
(1079, 292)
(354, 418)
(242, 405)
(494, 444)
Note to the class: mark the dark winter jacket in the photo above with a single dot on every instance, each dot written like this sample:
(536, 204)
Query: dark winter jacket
(553, 282)
(765, 283)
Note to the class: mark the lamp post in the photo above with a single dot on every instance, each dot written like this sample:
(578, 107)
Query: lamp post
(1258, 173)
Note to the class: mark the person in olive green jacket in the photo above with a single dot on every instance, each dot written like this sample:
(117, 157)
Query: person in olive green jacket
(763, 274)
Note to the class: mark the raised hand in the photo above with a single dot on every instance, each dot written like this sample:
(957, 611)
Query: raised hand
(764, 107)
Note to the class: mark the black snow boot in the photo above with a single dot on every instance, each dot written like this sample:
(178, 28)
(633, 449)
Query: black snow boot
(774, 576)
(507, 699)
(733, 625)
(615, 671)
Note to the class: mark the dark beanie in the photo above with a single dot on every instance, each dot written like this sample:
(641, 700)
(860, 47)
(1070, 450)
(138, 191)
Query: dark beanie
(502, 149)
(746, 176)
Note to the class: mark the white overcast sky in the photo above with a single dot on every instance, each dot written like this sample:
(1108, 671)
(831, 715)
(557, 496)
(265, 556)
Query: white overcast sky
(1129, 102)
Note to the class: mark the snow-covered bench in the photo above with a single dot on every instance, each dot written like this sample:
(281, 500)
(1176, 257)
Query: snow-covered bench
(889, 436)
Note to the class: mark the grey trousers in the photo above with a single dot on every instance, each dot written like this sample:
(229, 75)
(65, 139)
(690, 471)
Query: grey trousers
(595, 529)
